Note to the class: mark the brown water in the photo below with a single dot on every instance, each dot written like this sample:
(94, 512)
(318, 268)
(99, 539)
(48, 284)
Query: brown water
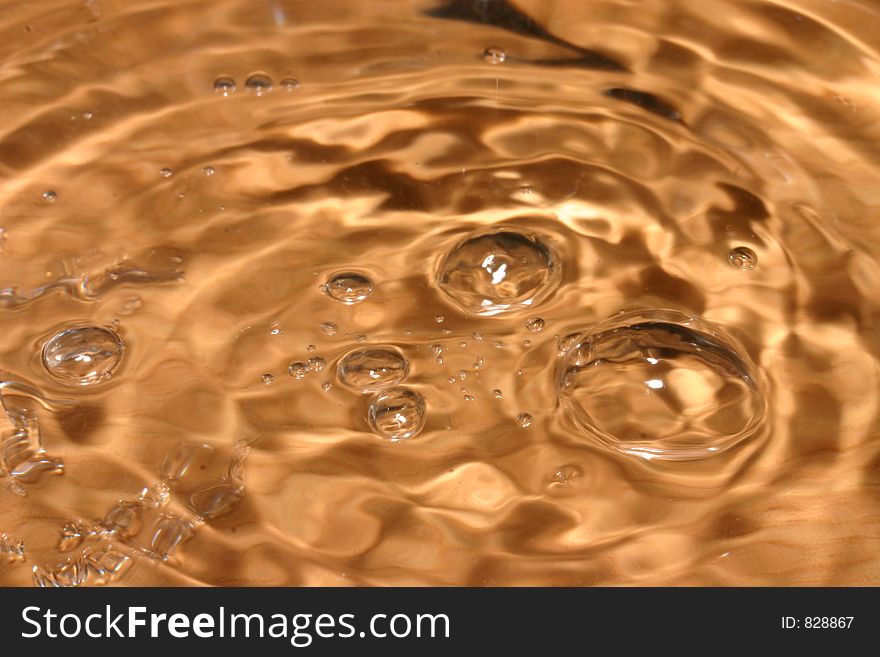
(345, 292)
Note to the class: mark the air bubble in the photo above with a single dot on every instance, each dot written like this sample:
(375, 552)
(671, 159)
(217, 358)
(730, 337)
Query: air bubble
(564, 343)
(84, 355)
(661, 385)
(742, 257)
(315, 364)
(49, 196)
(494, 55)
(290, 84)
(348, 287)
(268, 379)
(397, 413)
(298, 370)
(258, 83)
(524, 420)
(329, 328)
(497, 394)
(564, 477)
(208, 171)
(499, 270)
(373, 368)
(225, 86)
(535, 325)
(165, 172)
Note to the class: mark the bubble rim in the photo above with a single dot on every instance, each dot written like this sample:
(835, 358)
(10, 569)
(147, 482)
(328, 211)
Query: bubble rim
(379, 387)
(77, 382)
(756, 380)
(324, 288)
(554, 269)
(409, 435)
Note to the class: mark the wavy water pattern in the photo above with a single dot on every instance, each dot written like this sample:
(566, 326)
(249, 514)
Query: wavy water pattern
(440, 292)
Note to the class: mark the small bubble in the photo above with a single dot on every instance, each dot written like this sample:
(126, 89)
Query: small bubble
(87, 116)
(478, 364)
(316, 364)
(208, 171)
(446, 331)
(360, 338)
(348, 287)
(268, 379)
(524, 420)
(462, 374)
(397, 413)
(258, 83)
(565, 475)
(124, 518)
(83, 356)
(742, 257)
(498, 344)
(275, 329)
(436, 349)
(494, 55)
(326, 386)
(439, 319)
(165, 172)
(477, 335)
(290, 84)
(451, 379)
(225, 86)
(469, 398)
(497, 394)
(526, 189)
(463, 344)
(329, 328)
(526, 343)
(169, 533)
(310, 347)
(519, 372)
(371, 369)
(563, 344)
(298, 370)
(535, 325)
(49, 196)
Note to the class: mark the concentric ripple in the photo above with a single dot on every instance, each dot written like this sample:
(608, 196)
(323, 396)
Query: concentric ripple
(661, 385)
(499, 270)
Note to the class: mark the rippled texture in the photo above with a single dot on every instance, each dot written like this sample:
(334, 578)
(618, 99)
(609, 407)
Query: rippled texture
(192, 173)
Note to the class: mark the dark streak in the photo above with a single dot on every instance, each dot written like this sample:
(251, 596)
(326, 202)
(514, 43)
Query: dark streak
(646, 101)
(501, 14)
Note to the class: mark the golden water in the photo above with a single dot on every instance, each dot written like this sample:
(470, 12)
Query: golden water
(472, 292)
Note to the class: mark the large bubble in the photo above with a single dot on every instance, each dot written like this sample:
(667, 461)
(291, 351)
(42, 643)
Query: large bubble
(661, 385)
